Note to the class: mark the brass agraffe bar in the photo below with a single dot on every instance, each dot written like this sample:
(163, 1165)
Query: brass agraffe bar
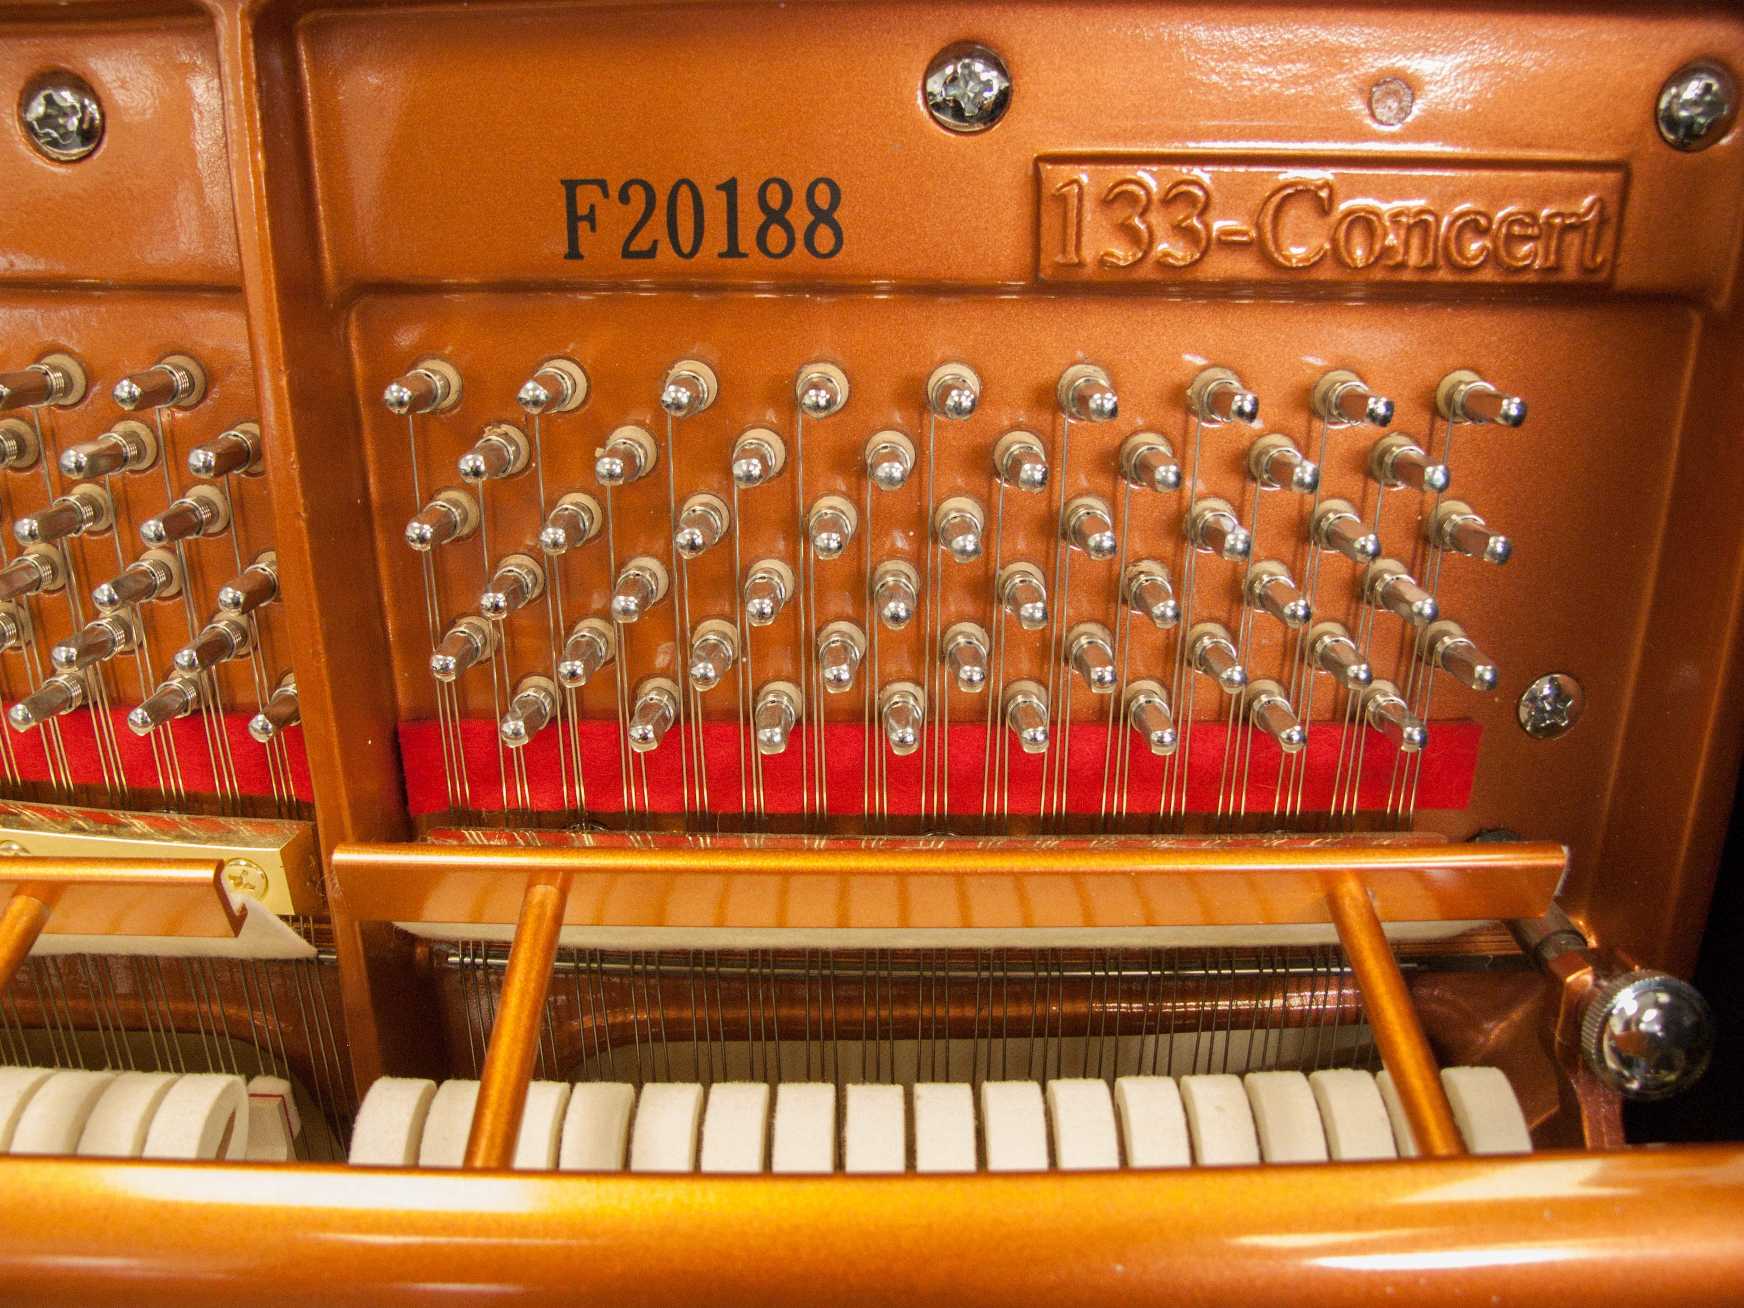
(22, 922)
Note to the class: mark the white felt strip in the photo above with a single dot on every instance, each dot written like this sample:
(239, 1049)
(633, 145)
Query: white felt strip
(273, 1124)
(1286, 1118)
(1352, 1115)
(1081, 1112)
(204, 1115)
(448, 1124)
(1220, 1121)
(264, 935)
(805, 1128)
(596, 1129)
(121, 1119)
(389, 1129)
(735, 1126)
(1486, 1110)
(875, 1129)
(1152, 1122)
(944, 1127)
(541, 1125)
(664, 1136)
(1013, 1126)
(17, 1086)
(55, 1117)
(1402, 1133)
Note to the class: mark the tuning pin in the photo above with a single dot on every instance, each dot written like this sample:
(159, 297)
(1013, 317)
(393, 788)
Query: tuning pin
(1024, 594)
(840, 647)
(1026, 715)
(54, 697)
(1385, 710)
(953, 390)
(964, 650)
(1211, 525)
(1085, 394)
(1332, 650)
(830, 526)
(154, 575)
(221, 639)
(895, 593)
(203, 511)
(103, 638)
(652, 713)
(689, 388)
(432, 386)
(774, 716)
(1453, 526)
(1147, 708)
(1342, 399)
(640, 586)
(1276, 464)
(1210, 651)
(821, 390)
(1388, 586)
(1090, 653)
(1268, 708)
(57, 379)
(702, 522)
(39, 571)
(1217, 396)
(1271, 589)
(464, 644)
(573, 521)
(255, 585)
(174, 698)
(517, 581)
(1147, 462)
(1398, 462)
(1337, 527)
(452, 515)
(19, 446)
(126, 447)
(714, 647)
(758, 456)
(957, 526)
(1463, 396)
(1454, 652)
(557, 386)
(889, 459)
(176, 381)
(628, 455)
(902, 713)
(14, 626)
(500, 451)
(590, 646)
(1020, 462)
(238, 450)
(768, 587)
(84, 510)
(1090, 527)
(533, 706)
(1147, 590)
(280, 712)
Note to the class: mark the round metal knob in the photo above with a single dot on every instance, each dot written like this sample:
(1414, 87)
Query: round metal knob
(1647, 1035)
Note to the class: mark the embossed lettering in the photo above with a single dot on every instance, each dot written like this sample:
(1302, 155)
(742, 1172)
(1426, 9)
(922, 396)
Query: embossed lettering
(1271, 222)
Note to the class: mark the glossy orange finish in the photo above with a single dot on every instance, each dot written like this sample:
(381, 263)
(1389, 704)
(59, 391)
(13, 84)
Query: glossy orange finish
(126, 896)
(21, 923)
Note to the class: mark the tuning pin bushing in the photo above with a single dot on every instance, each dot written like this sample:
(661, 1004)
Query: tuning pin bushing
(175, 381)
(1090, 527)
(1399, 463)
(1456, 654)
(1148, 591)
(126, 447)
(19, 446)
(203, 511)
(281, 712)
(1388, 586)
(1211, 652)
(964, 649)
(1385, 710)
(1275, 463)
(902, 714)
(530, 710)
(1342, 399)
(768, 586)
(83, 511)
(1463, 396)
(1147, 462)
(589, 648)
(451, 515)
(220, 640)
(653, 711)
(1268, 708)
(958, 524)
(953, 391)
(558, 385)
(1147, 708)
(758, 456)
(895, 593)
(628, 455)
(714, 648)
(830, 526)
(1026, 715)
(1020, 462)
(501, 451)
(175, 698)
(469, 640)
(840, 648)
(1217, 396)
(1211, 525)
(641, 584)
(1333, 651)
(1337, 527)
(1453, 526)
(255, 585)
(1271, 589)
(238, 450)
(1023, 593)
(889, 459)
(516, 582)
(1085, 394)
(1090, 653)
(429, 386)
(57, 379)
(774, 715)
(820, 390)
(688, 388)
(573, 521)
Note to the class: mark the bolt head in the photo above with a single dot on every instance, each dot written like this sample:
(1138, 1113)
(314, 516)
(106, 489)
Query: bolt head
(966, 88)
(62, 118)
(1696, 107)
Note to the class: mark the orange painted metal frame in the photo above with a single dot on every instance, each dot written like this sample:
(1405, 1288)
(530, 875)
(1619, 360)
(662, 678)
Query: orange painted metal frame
(125, 896)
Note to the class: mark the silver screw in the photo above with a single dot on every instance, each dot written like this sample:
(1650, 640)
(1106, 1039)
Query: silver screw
(1391, 101)
(1696, 106)
(967, 88)
(62, 117)
(1550, 706)
(245, 877)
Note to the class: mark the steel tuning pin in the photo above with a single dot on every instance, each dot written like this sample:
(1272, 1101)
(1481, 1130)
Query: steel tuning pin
(1399, 463)
(451, 515)
(653, 711)
(203, 511)
(1337, 527)
(1268, 708)
(1023, 594)
(573, 521)
(85, 510)
(958, 525)
(830, 526)
(714, 648)
(588, 649)
(37, 571)
(470, 639)
(702, 523)
(774, 716)
(102, 638)
(516, 582)
(1276, 464)
(1332, 650)
(500, 451)
(768, 586)
(280, 712)
(1453, 526)
(175, 697)
(1090, 653)
(1463, 396)
(889, 459)
(840, 648)
(1148, 591)
(1147, 708)
(964, 649)
(1089, 526)
(1455, 653)
(1217, 396)
(58, 695)
(558, 385)
(19, 446)
(531, 708)
(628, 455)
(1271, 589)
(223, 638)
(128, 446)
(953, 391)
(820, 389)
(1147, 462)
(175, 381)
(1388, 586)
(758, 456)
(688, 388)
(1085, 394)
(641, 584)
(238, 450)
(255, 585)
(1026, 715)
(1342, 399)
(895, 593)
(1020, 462)
(429, 386)
(1385, 710)
(902, 714)
(15, 630)
(57, 379)
(1211, 652)
(1211, 525)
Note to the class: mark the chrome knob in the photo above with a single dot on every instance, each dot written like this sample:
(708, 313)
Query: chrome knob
(462, 645)
(902, 714)
(774, 716)
(84, 510)
(1147, 708)
(1212, 525)
(517, 581)
(1211, 652)
(1217, 396)
(221, 639)
(176, 381)
(1342, 399)
(1388, 586)
(895, 593)
(1269, 710)
(238, 450)
(500, 451)
(953, 391)
(57, 695)
(758, 456)
(1086, 394)
(820, 389)
(280, 712)
(104, 638)
(1463, 396)
(688, 389)
(1026, 715)
(957, 526)
(126, 447)
(432, 386)
(768, 587)
(1024, 595)
(628, 455)
(1020, 462)
(830, 526)
(203, 511)
(530, 710)
(1147, 462)
(1271, 589)
(1647, 1035)
(154, 575)
(652, 714)
(1090, 653)
(174, 698)
(1276, 464)
(255, 585)
(1090, 527)
(964, 649)
(1451, 650)
(840, 648)
(452, 515)
(39, 571)
(889, 460)
(714, 648)
(1333, 651)
(573, 521)
(557, 386)
(1399, 463)
(1337, 527)
(702, 523)
(1385, 710)
(1453, 526)
(590, 646)
(641, 584)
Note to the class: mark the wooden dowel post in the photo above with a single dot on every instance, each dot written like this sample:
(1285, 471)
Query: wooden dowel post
(21, 923)
(1404, 1048)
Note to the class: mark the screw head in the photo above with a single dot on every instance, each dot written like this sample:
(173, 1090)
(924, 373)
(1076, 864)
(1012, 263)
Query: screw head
(1391, 100)
(245, 877)
(1696, 106)
(967, 88)
(1647, 1035)
(61, 116)
(1550, 706)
